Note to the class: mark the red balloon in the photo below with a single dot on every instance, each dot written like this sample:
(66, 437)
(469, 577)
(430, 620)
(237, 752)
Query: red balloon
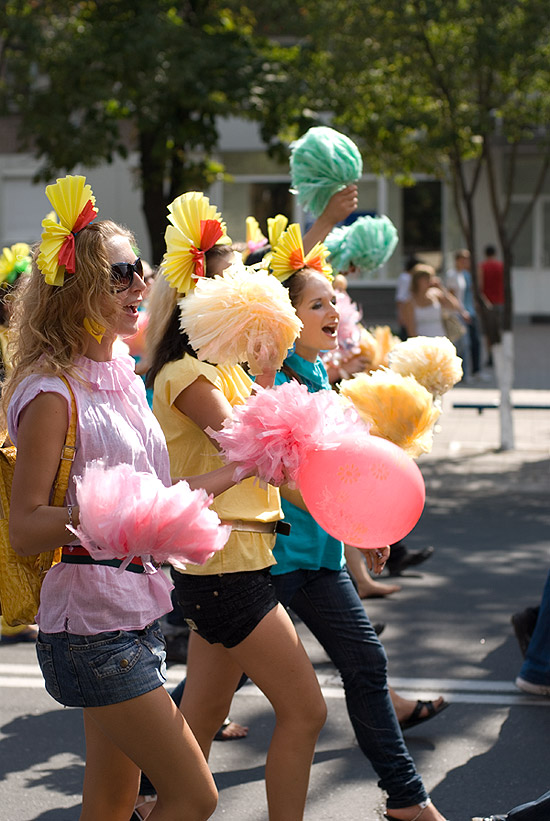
(366, 491)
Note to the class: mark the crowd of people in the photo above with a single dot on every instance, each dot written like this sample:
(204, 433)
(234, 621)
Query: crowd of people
(100, 644)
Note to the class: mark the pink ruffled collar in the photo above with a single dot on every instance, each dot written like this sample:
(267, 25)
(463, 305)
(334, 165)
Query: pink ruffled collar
(115, 375)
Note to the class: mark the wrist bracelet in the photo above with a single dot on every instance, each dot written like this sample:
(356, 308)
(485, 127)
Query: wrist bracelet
(70, 515)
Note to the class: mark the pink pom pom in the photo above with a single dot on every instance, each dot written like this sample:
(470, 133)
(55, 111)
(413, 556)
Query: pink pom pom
(270, 433)
(125, 513)
(349, 332)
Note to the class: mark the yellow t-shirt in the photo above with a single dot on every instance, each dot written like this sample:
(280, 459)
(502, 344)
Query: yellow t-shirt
(192, 453)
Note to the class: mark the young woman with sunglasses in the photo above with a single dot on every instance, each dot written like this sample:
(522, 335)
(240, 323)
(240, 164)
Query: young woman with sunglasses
(236, 622)
(100, 646)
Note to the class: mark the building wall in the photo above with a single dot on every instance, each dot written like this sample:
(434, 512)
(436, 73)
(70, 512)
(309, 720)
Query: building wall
(23, 203)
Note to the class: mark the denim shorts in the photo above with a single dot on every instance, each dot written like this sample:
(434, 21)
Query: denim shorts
(225, 608)
(106, 668)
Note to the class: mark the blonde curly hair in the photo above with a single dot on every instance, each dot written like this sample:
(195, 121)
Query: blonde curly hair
(47, 330)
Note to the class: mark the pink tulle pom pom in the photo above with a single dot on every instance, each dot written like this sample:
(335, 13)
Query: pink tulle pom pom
(125, 513)
(349, 332)
(273, 429)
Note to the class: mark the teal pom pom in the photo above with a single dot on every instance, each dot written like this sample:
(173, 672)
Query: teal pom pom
(336, 243)
(322, 162)
(370, 242)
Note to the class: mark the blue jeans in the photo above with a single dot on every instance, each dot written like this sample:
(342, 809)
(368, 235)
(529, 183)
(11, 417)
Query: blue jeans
(536, 667)
(538, 810)
(329, 606)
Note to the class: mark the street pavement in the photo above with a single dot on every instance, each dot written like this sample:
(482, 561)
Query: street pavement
(447, 632)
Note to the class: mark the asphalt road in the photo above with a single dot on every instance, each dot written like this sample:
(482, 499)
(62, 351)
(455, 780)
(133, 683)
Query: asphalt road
(448, 631)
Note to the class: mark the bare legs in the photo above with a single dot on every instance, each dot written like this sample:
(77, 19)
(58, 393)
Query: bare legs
(274, 658)
(146, 733)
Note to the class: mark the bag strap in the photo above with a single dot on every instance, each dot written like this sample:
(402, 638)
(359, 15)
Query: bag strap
(68, 453)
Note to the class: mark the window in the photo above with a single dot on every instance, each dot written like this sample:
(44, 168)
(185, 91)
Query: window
(422, 218)
(268, 199)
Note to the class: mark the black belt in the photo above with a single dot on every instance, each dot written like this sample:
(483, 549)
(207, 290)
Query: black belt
(79, 555)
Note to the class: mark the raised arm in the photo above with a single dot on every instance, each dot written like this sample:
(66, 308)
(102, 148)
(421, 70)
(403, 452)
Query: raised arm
(340, 206)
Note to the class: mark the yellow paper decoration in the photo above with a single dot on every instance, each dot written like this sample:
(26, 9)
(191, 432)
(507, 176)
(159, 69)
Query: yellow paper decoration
(183, 238)
(288, 256)
(275, 227)
(69, 196)
(14, 261)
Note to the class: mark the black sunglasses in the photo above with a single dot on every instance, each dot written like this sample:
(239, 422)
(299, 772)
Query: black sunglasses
(122, 273)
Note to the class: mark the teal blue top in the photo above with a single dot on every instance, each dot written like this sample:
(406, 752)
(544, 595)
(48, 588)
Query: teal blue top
(308, 546)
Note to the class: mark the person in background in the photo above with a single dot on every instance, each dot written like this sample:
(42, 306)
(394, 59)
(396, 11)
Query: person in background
(459, 282)
(403, 293)
(136, 345)
(423, 313)
(15, 265)
(537, 810)
(491, 284)
(534, 676)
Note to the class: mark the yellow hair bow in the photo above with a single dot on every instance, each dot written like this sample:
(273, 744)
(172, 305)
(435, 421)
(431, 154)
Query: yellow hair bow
(254, 237)
(196, 227)
(288, 257)
(73, 202)
(275, 227)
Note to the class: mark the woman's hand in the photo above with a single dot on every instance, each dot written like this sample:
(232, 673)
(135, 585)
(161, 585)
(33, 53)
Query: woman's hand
(376, 558)
(340, 206)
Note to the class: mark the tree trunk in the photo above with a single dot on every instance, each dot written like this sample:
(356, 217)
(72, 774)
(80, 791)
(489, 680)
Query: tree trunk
(503, 358)
(152, 186)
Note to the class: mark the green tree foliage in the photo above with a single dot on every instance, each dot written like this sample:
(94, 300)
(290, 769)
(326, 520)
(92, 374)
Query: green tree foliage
(91, 80)
(455, 89)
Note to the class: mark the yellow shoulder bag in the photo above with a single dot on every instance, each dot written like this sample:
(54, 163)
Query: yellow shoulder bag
(21, 577)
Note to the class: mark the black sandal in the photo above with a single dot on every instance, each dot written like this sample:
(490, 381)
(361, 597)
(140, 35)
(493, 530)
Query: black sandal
(415, 717)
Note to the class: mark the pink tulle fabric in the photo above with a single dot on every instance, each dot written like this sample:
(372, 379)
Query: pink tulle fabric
(349, 330)
(126, 513)
(271, 432)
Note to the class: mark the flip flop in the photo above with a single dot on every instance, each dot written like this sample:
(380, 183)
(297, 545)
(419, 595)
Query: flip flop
(415, 717)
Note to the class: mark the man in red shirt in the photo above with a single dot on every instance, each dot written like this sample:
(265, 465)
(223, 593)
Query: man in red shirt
(491, 277)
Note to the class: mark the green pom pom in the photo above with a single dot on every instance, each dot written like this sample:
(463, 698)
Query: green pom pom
(337, 246)
(368, 243)
(322, 162)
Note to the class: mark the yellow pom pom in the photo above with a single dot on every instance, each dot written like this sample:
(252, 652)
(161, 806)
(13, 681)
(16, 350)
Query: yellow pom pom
(241, 316)
(385, 342)
(368, 348)
(396, 407)
(431, 360)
